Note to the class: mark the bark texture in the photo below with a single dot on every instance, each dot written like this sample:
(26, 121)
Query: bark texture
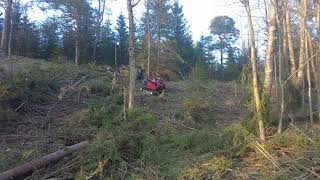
(303, 16)
(255, 77)
(131, 56)
(6, 28)
(270, 50)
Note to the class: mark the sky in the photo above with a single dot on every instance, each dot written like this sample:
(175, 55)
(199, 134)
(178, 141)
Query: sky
(198, 13)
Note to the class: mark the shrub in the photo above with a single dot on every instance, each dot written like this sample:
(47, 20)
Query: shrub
(239, 138)
(118, 140)
(32, 85)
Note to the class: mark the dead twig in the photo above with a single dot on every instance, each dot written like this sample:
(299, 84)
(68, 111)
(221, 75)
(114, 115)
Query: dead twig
(125, 173)
(268, 156)
(20, 106)
(297, 129)
(307, 169)
(45, 160)
(72, 163)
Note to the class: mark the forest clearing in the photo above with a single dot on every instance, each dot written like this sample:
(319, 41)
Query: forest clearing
(149, 97)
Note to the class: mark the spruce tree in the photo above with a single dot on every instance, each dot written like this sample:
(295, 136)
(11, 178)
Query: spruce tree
(49, 40)
(181, 37)
(122, 39)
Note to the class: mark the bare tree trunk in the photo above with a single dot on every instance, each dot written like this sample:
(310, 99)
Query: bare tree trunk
(303, 14)
(6, 28)
(158, 53)
(281, 63)
(270, 50)
(318, 57)
(149, 38)
(159, 22)
(311, 70)
(132, 62)
(124, 103)
(101, 9)
(221, 53)
(312, 58)
(293, 66)
(303, 90)
(77, 44)
(275, 75)
(281, 59)
(115, 55)
(10, 35)
(255, 77)
(309, 82)
(285, 38)
(266, 12)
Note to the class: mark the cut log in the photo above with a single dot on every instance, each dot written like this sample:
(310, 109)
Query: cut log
(44, 161)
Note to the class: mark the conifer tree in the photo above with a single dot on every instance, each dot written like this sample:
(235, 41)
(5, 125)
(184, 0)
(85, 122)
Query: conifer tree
(122, 39)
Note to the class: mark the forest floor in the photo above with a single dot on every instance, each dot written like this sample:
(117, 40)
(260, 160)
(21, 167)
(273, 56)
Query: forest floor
(224, 99)
(199, 129)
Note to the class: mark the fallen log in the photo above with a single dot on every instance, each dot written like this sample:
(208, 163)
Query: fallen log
(43, 161)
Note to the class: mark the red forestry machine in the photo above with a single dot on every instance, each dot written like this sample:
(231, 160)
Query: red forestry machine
(151, 85)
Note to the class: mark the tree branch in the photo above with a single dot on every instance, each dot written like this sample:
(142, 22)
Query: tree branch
(135, 4)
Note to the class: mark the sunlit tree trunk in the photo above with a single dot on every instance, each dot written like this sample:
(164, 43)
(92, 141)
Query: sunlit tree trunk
(255, 77)
(303, 14)
(309, 82)
(318, 56)
(132, 61)
(293, 66)
(270, 50)
(312, 58)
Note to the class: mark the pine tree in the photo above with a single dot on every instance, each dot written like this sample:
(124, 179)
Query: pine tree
(25, 34)
(99, 16)
(122, 39)
(79, 12)
(68, 39)
(224, 28)
(49, 40)
(160, 19)
(106, 45)
(181, 37)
